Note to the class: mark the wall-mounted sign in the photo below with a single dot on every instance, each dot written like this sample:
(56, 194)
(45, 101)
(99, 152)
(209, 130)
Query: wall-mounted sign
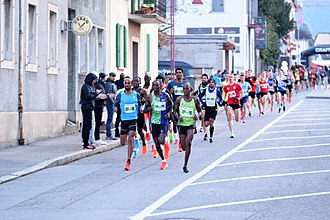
(226, 30)
(260, 37)
(81, 25)
(199, 30)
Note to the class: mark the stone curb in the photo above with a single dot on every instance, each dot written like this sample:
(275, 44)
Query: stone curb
(61, 160)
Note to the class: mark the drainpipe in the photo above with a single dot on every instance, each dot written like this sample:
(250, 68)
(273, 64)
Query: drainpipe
(21, 139)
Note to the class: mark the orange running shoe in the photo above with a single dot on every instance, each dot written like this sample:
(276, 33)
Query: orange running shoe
(154, 151)
(148, 136)
(163, 165)
(180, 148)
(167, 150)
(144, 149)
(127, 166)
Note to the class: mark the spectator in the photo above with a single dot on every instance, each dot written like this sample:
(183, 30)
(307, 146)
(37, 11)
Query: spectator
(120, 85)
(110, 89)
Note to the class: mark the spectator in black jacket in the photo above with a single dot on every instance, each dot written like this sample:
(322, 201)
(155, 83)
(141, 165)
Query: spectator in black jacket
(120, 84)
(110, 89)
(87, 100)
(99, 106)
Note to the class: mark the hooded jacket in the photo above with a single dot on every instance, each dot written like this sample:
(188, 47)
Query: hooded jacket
(88, 93)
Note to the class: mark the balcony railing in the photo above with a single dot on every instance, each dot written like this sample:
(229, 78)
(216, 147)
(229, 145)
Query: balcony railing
(148, 11)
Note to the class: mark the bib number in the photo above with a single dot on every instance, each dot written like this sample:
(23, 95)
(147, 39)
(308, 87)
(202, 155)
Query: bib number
(129, 108)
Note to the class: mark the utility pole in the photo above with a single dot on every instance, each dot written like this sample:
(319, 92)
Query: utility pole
(172, 40)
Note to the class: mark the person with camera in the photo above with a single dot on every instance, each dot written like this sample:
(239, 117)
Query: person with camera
(234, 93)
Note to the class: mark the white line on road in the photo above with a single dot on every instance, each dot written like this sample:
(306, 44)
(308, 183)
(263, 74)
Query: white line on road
(261, 176)
(316, 111)
(275, 159)
(297, 125)
(285, 147)
(306, 115)
(240, 203)
(291, 131)
(289, 138)
(152, 207)
(307, 119)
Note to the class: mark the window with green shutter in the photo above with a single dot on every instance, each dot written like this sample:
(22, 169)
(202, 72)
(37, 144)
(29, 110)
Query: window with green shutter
(148, 53)
(118, 45)
(121, 45)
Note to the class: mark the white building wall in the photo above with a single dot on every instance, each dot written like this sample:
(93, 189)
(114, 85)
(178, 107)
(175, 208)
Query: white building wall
(188, 15)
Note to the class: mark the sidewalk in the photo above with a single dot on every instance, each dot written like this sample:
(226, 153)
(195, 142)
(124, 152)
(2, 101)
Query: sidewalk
(22, 160)
(319, 94)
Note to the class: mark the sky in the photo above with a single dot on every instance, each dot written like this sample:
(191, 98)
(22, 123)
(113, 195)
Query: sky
(317, 16)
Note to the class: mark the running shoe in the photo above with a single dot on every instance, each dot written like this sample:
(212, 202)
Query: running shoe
(279, 110)
(144, 149)
(201, 130)
(154, 151)
(127, 166)
(284, 108)
(167, 150)
(89, 147)
(185, 170)
(163, 165)
(232, 135)
(250, 114)
(244, 121)
(211, 140)
(148, 136)
(180, 148)
(271, 109)
(205, 137)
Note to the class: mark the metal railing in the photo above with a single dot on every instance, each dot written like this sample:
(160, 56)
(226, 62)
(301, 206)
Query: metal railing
(149, 7)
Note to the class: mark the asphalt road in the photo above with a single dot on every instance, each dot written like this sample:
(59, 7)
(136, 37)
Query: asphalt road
(277, 167)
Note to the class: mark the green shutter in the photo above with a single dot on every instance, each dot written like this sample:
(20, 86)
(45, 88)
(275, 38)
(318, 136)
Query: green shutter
(118, 40)
(139, 4)
(132, 6)
(149, 1)
(125, 46)
(148, 53)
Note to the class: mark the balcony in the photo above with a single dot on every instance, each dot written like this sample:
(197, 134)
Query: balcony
(148, 11)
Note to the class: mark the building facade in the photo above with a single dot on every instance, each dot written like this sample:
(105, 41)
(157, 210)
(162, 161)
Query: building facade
(43, 64)
(226, 22)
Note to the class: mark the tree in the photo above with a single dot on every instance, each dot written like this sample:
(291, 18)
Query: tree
(279, 24)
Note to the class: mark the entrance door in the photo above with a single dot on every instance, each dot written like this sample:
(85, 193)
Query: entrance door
(135, 59)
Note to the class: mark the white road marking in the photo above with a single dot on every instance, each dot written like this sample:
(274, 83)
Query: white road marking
(291, 131)
(261, 176)
(316, 111)
(152, 207)
(240, 203)
(289, 138)
(285, 147)
(275, 159)
(297, 125)
(307, 119)
(306, 115)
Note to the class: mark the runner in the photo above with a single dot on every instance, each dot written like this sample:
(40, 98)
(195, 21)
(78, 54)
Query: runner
(176, 89)
(234, 93)
(263, 83)
(252, 94)
(281, 87)
(246, 87)
(160, 105)
(271, 90)
(128, 101)
(291, 81)
(185, 112)
(199, 91)
(141, 124)
(208, 98)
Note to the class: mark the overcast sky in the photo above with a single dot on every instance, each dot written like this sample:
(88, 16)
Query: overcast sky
(317, 17)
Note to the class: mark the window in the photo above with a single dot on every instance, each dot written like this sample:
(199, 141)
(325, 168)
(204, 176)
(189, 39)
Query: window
(31, 37)
(218, 6)
(52, 39)
(7, 34)
(100, 49)
(121, 46)
(92, 50)
(148, 53)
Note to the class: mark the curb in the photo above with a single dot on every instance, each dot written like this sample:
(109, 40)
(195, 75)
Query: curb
(58, 161)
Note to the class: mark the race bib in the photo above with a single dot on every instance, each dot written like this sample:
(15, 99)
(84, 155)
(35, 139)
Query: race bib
(188, 112)
(178, 90)
(232, 94)
(160, 106)
(129, 108)
(210, 101)
(264, 86)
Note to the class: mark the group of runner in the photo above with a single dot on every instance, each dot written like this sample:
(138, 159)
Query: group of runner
(169, 112)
